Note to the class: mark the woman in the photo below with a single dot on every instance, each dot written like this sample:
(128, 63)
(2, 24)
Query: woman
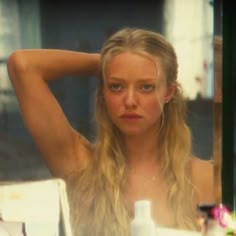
(143, 146)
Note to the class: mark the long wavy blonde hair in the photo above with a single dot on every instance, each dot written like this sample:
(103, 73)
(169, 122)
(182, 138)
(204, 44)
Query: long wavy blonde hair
(96, 194)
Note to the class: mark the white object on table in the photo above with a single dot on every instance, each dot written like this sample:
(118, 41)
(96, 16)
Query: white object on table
(38, 204)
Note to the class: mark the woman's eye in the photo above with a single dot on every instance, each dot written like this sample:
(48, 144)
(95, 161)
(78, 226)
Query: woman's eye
(147, 87)
(115, 87)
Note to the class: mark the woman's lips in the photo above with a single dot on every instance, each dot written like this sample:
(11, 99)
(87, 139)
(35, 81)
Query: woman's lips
(131, 116)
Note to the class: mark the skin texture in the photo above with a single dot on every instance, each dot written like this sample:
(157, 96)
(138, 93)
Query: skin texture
(134, 94)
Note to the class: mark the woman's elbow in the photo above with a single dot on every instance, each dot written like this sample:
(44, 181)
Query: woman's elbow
(16, 64)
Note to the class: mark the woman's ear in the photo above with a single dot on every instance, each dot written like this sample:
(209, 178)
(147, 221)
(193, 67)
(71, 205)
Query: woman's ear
(170, 92)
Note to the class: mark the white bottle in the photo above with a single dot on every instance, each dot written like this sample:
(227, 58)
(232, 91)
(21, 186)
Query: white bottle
(142, 224)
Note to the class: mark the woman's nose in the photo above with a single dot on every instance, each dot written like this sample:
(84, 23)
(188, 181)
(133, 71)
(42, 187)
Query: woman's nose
(131, 99)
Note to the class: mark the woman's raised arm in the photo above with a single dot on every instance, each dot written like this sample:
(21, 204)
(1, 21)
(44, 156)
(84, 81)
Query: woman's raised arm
(63, 149)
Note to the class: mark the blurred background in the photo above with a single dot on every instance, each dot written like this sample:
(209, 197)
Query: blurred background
(83, 26)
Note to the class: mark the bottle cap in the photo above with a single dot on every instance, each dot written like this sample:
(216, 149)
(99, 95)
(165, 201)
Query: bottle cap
(142, 209)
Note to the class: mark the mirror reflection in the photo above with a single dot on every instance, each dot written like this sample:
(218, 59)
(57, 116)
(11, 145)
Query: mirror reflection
(133, 143)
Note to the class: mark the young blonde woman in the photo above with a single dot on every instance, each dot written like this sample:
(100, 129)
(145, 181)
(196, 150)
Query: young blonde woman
(143, 145)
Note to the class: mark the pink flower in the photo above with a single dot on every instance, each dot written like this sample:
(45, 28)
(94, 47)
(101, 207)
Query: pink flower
(222, 215)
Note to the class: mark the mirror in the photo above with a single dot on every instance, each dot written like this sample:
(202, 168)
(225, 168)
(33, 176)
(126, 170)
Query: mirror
(40, 24)
(42, 29)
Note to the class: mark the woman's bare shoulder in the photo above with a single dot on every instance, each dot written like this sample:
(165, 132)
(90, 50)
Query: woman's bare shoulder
(201, 164)
(203, 178)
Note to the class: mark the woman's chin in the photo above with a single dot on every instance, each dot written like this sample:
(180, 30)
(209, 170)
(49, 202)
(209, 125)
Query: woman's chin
(131, 132)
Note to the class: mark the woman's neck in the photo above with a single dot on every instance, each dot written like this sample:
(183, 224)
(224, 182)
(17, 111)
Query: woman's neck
(141, 149)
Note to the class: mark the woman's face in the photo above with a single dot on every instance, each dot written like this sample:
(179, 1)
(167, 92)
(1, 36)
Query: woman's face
(135, 90)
